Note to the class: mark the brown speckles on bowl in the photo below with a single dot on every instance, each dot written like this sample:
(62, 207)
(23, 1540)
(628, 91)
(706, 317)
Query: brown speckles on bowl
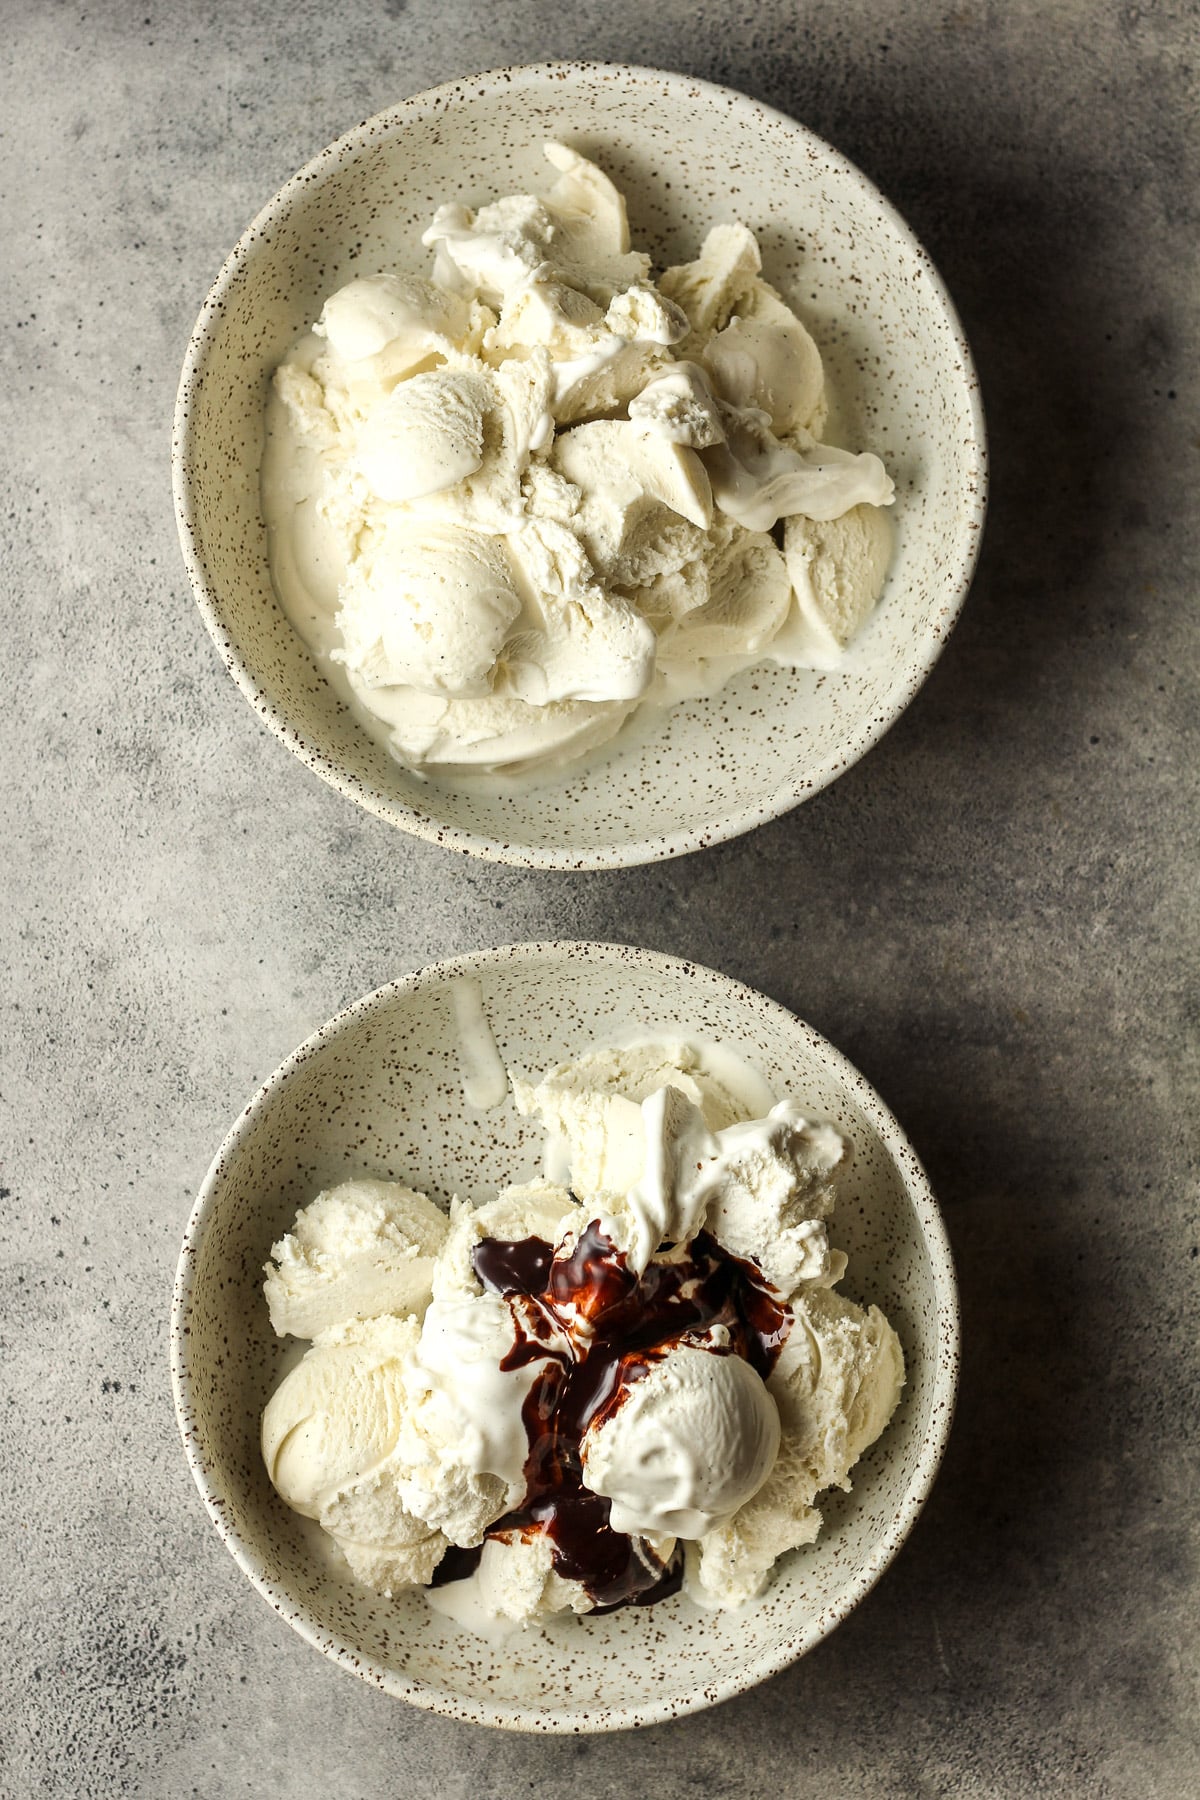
(897, 360)
(376, 1091)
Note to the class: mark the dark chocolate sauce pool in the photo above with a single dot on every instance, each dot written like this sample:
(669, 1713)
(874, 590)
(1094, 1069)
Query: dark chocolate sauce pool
(596, 1328)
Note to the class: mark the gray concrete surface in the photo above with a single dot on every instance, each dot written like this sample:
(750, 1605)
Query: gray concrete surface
(994, 914)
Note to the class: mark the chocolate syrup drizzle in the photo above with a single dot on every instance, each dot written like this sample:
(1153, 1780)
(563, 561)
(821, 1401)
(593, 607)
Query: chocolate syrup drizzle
(596, 1328)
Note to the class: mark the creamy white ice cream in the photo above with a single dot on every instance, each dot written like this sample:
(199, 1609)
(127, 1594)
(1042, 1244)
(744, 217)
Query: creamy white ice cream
(835, 565)
(513, 500)
(329, 1439)
(836, 1385)
(694, 1441)
(636, 1363)
(591, 1111)
(359, 1250)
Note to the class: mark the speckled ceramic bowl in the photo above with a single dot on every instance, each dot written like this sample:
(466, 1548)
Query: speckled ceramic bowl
(687, 155)
(378, 1091)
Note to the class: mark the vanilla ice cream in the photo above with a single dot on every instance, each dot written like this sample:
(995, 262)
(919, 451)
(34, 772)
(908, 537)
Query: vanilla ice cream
(329, 1436)
(515, 499)
(359, 1250)
(694, 1442)
(629, 1375)
(836, 1385)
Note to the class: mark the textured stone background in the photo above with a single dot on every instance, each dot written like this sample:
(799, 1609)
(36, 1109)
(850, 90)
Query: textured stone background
(994, 914)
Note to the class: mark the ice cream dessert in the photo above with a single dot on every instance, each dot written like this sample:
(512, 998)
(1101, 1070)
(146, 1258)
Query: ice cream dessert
(629, 1375)
(515, 497)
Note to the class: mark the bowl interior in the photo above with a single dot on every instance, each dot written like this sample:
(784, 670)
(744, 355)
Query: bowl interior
(688, 156)
(380, 1093)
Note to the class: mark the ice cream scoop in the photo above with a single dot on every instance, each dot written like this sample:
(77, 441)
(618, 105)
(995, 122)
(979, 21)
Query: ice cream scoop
(427, 435)
(693, 1440)
(710, 288)
(837, 569)
(427, 607)
(403, 320)
(335, 1420)
(766, 359)
(359, 1250)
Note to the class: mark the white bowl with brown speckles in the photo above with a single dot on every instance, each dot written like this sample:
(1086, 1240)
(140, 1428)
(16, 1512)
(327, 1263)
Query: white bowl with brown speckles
(378, 1091)
(687, 155)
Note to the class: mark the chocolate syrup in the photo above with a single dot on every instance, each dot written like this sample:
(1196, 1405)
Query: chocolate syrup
(597, 1327)
(456, 1565)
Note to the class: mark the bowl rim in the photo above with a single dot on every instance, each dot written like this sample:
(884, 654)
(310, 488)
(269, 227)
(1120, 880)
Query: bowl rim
(509, 1715)
(910, 676)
